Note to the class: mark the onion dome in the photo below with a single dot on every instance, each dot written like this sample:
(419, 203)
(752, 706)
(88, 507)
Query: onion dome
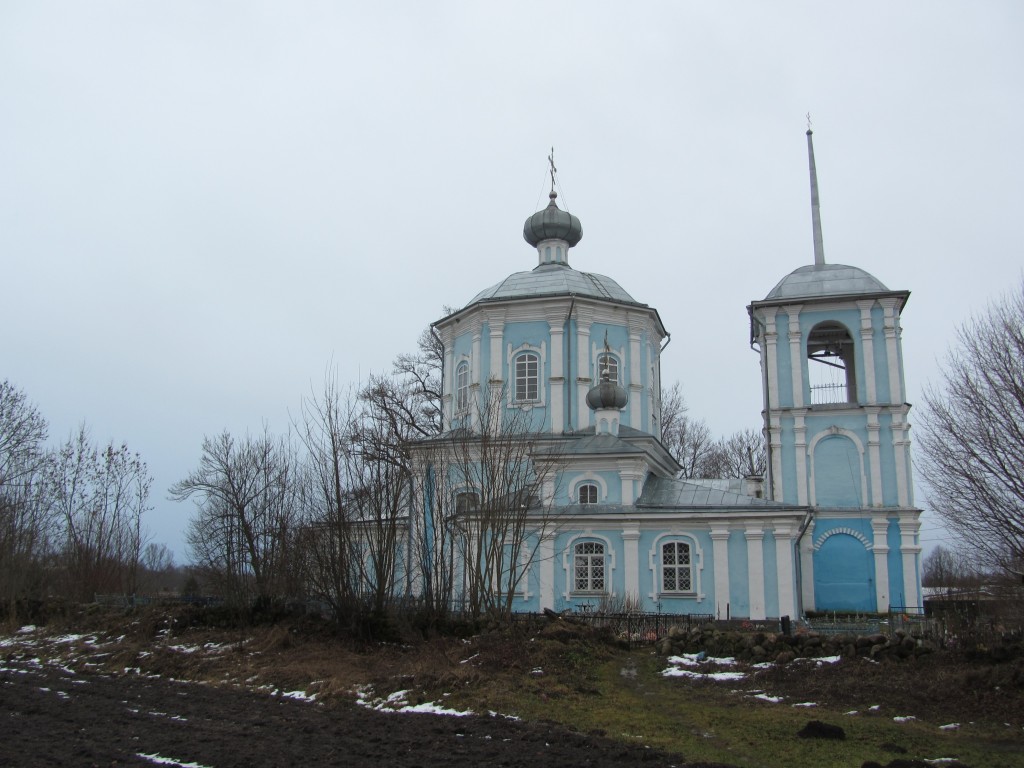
(552, 224)
(607, 394)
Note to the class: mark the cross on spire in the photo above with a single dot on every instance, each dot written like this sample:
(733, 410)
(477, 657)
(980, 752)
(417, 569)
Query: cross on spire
(551, 162)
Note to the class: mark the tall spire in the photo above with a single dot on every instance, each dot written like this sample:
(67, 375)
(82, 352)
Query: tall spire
(819, 248)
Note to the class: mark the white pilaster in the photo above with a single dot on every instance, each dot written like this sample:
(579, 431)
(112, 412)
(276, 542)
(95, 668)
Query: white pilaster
(784, 564)
(867, 341)
(775, 438)
(771, 356)
(796, 355)
(583, 380)
(755, 573)
(901, 453)
(546, 555)
(631, 560)
(800, 446)
(892, 350)
(557, 403)
(806, 554)
(910, 551)
(720, 549)
(880, 546)
(874, 456)
(635, 375)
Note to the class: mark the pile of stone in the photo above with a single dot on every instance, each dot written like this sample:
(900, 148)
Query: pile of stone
(762, 646)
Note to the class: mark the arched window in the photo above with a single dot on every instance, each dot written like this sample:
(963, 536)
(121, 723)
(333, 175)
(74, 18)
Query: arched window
(676, 567)
(467, 501)
(587, 493)
(830, 369)
(608, 362)
(588, 567)
(527, 377)
(462, 386)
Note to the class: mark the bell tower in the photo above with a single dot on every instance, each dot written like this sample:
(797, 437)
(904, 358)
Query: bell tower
(835, 421)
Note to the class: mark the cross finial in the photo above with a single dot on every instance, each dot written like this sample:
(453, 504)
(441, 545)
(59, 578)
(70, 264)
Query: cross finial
(808, 122)
(551, 162)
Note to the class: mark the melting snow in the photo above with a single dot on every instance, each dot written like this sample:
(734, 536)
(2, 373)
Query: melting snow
(949, 727)
(904, 718)
(154, 758)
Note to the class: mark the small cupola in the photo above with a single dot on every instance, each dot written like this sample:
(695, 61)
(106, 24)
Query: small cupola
(607, 399)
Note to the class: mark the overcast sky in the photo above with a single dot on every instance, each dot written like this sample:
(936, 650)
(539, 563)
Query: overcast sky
(203, 204)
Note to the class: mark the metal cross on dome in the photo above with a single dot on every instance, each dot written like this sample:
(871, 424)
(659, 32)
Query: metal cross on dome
(551, 162)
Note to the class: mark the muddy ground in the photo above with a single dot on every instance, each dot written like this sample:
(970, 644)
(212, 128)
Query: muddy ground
(56, 716)
(98, 691)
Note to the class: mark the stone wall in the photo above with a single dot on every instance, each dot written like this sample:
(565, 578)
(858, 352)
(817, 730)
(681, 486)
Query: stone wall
(763, 646)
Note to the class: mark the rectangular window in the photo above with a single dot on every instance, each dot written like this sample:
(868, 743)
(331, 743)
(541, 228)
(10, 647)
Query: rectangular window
(527, 377)
(588, 567)
(675, 567)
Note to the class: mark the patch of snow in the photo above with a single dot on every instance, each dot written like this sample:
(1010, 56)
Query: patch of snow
(183, 648)
(299, 695)
(536, 671)
(806, 704)
(827, 660)
(431, 708)
(717, 676)
(492, 713)
(766, 697)
(949, 727)
(466, 661)
(155, 758)
(875, 707)
(27, 629)
(904, 718)
(66, 639)
(852, 712)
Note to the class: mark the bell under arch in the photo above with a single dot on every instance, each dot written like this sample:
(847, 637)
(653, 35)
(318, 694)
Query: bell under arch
(831, 364)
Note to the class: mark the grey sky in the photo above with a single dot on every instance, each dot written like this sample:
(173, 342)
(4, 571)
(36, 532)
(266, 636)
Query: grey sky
(202, 204)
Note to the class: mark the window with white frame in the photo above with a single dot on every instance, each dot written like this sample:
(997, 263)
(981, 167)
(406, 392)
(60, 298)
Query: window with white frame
(588, 567)
(462, 386)
(587, 493)
(608, 362)
(527, 377)
(676, 567)
(467, 501)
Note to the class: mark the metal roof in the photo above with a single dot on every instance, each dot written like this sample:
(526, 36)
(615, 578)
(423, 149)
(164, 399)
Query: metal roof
(555, 280)
(822, 280)
(669, 492)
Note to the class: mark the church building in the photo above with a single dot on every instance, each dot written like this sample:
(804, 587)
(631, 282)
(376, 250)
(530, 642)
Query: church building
(574, 360)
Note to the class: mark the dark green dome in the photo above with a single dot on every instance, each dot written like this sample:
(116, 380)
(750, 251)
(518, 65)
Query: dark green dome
(607, 394)
(552, 224)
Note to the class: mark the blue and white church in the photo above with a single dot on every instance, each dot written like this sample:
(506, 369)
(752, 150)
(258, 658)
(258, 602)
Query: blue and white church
(831, 527)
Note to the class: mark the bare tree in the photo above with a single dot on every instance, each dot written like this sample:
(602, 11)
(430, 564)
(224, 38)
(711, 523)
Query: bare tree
(98, 495)
(357, 498)
(491, 505)
(950, 569)
(25, 530)
(689, 440)
(742, 454)
(244, 530)
(972, 435)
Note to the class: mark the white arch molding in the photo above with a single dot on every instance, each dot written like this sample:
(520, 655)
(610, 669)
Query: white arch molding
(834, 431)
